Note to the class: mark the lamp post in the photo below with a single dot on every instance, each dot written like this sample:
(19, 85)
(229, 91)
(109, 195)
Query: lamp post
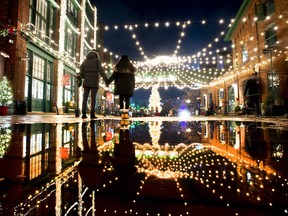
(225, 99)
(269, 51)
(238, 93)
(188, 101)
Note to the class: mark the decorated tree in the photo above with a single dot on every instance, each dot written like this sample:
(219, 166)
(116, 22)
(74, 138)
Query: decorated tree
(5, 139)
(155, 100)
(6, 94)
(155, 131)
(8, 30)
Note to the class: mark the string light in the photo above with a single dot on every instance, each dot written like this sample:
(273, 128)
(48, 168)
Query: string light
(186, 76)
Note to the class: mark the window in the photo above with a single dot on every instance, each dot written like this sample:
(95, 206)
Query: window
(244, 54)
(264, 9)
(38, 67)
(41, 18)
(70, 42)
(89, 12)
(270, 7)
(270, 35)
(86, 49)
(51, 24)
(39, 77)
(89, 33)
(69, 90)
(72, 12)
(260, 11)
(41, 15)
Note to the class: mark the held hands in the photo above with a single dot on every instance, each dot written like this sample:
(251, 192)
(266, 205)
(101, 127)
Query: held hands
(107, 84)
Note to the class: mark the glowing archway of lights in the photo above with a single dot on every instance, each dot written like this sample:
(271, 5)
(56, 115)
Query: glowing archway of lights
(165, 81)
(168, 71)
(212, 78)
(166, 74)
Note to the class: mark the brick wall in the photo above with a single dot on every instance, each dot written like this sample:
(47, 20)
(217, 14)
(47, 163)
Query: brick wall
(250, 34)
(15, 12)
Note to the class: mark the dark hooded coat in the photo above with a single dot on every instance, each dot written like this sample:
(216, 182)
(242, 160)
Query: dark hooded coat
(90, 70)
(124, 76)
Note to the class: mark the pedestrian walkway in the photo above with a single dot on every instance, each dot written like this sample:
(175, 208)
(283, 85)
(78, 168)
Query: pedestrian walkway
(31, 118)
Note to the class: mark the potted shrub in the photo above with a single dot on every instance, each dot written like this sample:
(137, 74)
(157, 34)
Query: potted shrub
(237, 109)
(6, 95)
(69, 105)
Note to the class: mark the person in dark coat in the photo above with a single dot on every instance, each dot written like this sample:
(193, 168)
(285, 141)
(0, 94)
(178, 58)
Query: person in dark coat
(124, 76)
(90, 169)
(251, 90)
(124, 154)
(90, 70)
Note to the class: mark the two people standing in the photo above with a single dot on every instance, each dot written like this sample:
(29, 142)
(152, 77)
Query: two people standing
(124, 75)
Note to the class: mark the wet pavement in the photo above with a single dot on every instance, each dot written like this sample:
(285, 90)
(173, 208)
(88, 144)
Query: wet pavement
(70, 118)
(201, 165)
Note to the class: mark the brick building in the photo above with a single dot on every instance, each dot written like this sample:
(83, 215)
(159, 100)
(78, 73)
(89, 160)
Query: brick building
(260, 59)
(42, 55)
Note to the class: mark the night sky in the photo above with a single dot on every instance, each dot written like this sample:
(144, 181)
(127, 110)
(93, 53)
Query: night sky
(163, 40)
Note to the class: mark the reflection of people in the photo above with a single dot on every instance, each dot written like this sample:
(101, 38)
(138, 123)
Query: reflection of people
(90, 158)
(124, 153)
(89, 71)
(124, 76)
(212, 127)
(254, 141)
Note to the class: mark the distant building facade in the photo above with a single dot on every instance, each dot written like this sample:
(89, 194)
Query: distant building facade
(260, 53)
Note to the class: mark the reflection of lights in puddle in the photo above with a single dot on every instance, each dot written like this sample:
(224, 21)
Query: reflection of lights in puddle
(157, 153)
(184, 114)
(163, 175)
(188, 130)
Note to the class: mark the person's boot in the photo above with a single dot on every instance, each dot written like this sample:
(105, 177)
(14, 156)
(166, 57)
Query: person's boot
(84, 115)
(92, 114)
(124, 115)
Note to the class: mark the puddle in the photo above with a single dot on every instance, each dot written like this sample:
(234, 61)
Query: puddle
(146, 168)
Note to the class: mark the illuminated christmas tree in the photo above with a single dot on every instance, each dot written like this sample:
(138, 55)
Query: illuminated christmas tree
(155, 100)
(6, 94)
(5, 139)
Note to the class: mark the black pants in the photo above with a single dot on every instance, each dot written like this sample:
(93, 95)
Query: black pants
(85, 99)
(255, 100)
(123, 98)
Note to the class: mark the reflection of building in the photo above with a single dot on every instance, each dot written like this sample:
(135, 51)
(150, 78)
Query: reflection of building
(248, 142)
(177, 173)
(50, 41)
(33, 155)
(259, 39)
